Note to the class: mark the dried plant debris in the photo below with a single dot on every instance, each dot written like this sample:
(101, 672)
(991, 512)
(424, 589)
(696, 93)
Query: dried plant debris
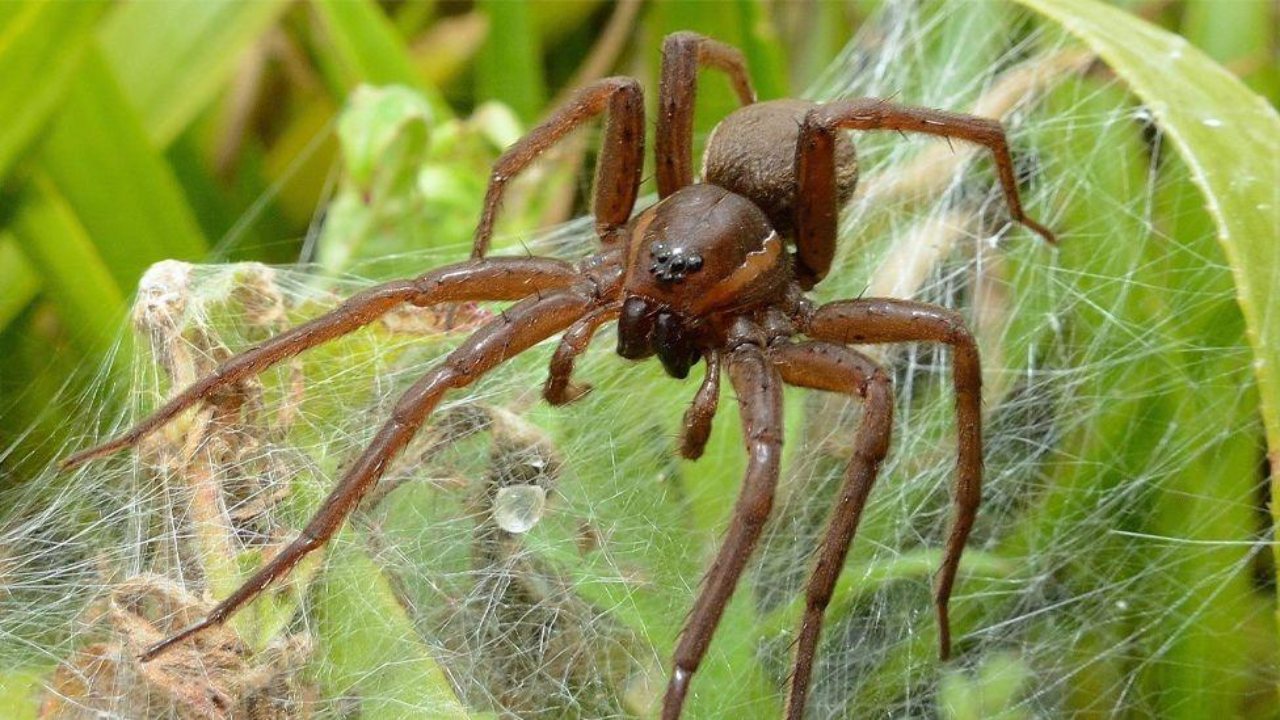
(214, 676)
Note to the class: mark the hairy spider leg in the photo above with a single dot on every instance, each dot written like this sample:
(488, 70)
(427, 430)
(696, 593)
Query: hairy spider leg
(494, 279)
(560, 388)
(759, 390)
(883, 320)
(618, 171)
(696, 429)
(683, 53)
(817, 209)
(516, 330)
(835, 368)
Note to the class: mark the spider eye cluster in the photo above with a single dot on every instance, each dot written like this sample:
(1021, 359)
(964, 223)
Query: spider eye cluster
(672, 266)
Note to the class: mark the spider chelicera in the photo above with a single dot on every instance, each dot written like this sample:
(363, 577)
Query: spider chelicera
(716, 271)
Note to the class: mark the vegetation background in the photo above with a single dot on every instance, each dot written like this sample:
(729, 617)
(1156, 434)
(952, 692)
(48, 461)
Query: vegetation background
(140, 131)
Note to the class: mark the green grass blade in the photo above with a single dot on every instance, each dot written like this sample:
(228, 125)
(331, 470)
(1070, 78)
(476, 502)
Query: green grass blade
(40, 47)
(88, 299)
(510, 64)
(123, 191)
(172, 57)
(367, 50)
(1230, 140)
(19, 281)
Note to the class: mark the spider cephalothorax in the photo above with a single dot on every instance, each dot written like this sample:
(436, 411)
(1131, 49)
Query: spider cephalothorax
(714, 271)
(695, 256)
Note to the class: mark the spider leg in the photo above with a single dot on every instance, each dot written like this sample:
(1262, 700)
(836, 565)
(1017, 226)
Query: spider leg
(816, 207)
(682, 54)
(697, 419)
(618, 171)
(519, 328)
(884, 320)
(824, 366)
(759, 390)
(560, 388)
(494, 279)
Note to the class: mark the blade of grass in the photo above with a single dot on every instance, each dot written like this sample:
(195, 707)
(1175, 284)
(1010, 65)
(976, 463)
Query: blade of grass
(119, 187)
(366, 49)
(89, 301)
(19, 281)
(41, 45)
(1241, 35)
(171, 58)
(1230, 139)
(509, 67)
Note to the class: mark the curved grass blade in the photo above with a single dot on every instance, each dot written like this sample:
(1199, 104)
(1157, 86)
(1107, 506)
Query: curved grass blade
(1229, 138)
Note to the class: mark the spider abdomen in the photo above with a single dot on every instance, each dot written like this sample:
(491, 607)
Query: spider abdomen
(752, 152)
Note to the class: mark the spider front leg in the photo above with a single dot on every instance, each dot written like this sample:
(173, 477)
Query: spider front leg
(817, 211)
(823, 366)
(759, 390)
(884, 320)
(515, 331)
(495, 279)
(617, 171)
(683, 53)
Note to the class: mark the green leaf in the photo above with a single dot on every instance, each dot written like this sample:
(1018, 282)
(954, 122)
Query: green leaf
(374, 121)
(120, 188)
(19, 282)
(1229, 138)
(372, 647)
(40, 47)
(172, 57)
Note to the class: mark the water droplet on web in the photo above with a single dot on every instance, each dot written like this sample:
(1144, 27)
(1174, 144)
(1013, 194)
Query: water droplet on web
(1212, 122)
(518, 508)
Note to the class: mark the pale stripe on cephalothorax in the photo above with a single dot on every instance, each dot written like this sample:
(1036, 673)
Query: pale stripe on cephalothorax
(753, 266)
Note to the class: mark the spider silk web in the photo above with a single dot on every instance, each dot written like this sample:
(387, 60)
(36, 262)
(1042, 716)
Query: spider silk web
(525, 561)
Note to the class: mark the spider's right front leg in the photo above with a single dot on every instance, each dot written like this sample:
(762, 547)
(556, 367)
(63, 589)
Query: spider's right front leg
(493, 279)
(504, 337)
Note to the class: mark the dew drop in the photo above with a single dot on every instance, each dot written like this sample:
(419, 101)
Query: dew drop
(518, 508)
(1212, 122)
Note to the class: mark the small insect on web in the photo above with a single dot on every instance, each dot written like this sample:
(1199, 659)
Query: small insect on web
(1048, 587)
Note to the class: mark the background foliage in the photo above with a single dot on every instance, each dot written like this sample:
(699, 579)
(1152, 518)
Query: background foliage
(209, 132)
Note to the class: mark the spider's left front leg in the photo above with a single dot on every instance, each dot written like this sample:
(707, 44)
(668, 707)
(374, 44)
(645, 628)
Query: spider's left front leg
(759, 390)
(886, 320)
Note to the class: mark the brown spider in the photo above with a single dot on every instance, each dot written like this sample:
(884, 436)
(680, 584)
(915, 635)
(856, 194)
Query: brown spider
(706, 273)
